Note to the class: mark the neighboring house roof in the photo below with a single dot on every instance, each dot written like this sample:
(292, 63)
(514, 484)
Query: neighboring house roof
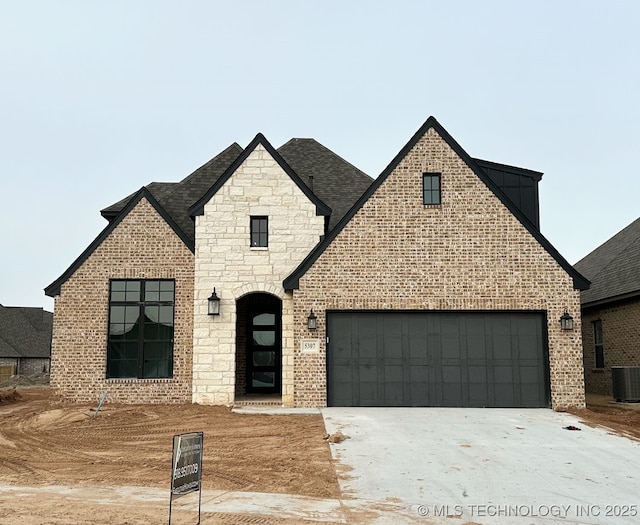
(54, 288)
(25, 332)
(613, 268)
(293, 280)
(321, 207)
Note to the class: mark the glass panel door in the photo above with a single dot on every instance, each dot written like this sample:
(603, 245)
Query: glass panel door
(263, 363)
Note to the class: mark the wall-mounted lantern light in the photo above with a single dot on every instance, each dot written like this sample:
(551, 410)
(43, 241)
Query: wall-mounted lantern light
(214, 303)
(566, 321)
(312, 320)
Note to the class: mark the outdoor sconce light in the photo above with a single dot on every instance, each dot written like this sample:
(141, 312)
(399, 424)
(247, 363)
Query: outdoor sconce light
(566, 321)
(312, 320)
(214, 303)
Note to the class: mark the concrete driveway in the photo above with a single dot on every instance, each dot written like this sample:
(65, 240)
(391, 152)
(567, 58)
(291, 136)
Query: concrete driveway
(487, 466)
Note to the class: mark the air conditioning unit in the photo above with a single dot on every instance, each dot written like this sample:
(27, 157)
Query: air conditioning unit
(626, 383)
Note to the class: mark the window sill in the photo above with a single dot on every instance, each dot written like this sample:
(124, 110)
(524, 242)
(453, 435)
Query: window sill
(432, 206)
(259, 248)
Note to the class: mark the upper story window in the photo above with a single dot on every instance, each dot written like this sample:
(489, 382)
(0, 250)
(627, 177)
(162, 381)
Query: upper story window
(431, 188)
(259, 232)
(140, 339)
(598, 343)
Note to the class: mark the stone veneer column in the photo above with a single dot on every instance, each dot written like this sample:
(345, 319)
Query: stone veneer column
(225, 260)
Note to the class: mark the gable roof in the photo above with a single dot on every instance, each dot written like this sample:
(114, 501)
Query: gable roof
(293, 280)
(54, 288)
(25, 332)
(336, 180)
(613, 268)
(329, 176)
(177, 197)
(259, 140)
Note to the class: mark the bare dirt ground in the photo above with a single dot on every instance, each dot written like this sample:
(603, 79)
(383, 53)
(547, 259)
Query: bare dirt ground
(61, 459)
(45, 441)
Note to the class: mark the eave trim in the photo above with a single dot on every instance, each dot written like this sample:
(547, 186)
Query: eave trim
(54, 288)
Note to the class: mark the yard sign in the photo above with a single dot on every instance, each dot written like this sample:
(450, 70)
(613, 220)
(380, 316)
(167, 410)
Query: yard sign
(186, 467)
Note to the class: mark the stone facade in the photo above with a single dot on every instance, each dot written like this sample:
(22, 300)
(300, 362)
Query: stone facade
(469, 253)
(620, 337)
(141, 246)
(225, 260)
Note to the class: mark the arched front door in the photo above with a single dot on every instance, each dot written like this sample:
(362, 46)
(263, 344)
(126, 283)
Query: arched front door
(262, 325)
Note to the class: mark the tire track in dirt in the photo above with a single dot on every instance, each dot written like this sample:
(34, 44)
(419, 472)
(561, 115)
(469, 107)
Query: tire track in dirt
(61, 443)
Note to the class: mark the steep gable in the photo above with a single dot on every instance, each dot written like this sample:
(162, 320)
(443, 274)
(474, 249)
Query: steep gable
(54, 288)
(613, 268)
(259, 140)
(432, 126)
(177, 197)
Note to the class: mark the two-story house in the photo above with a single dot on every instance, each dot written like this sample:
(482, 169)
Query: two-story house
(291, 273)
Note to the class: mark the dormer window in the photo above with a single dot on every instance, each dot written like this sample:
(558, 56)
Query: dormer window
(259, 232)
(431, 189)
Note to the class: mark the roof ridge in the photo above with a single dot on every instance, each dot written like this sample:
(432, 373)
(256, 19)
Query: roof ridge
(329, 151)
(210, 161)
(293, 279)
(259, 140)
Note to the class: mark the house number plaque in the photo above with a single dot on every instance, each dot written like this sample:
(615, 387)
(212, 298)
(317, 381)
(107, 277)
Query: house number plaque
(310, 346)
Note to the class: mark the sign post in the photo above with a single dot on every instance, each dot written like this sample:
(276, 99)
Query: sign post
(186, 467)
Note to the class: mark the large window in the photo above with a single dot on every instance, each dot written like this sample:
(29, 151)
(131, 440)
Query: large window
(140, 343)
(431, 188)
(598, 344)
(259, 232)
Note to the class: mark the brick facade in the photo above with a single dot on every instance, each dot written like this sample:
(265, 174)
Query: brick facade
(142, 246)
(469, 253)
(27, 366)
(620, 337)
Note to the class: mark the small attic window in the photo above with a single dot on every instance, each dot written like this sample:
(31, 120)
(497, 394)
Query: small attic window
(431, 188)
(259, 232)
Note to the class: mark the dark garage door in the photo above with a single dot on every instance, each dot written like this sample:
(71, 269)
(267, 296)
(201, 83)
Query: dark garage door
(445, 359)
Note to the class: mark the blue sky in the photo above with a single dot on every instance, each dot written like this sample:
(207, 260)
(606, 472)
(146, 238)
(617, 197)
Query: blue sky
(100, 98)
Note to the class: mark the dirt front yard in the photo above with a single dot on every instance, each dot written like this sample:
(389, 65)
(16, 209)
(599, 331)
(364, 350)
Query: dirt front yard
(60, 465)
(44, 441)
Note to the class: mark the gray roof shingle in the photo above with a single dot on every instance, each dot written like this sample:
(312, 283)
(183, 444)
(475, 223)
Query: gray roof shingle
(335, 181)
(176, 197)
(25, 332)
(613, 268)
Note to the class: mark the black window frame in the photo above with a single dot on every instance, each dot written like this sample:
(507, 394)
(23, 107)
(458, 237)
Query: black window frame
(598, 344)
(431, 193)
(259, 231)
(135, 341)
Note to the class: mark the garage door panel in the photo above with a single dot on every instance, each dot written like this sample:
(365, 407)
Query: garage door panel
(502, 346)
(503, 374)
(478, 394)
(393, 374)
(437, 359)
(450, 345)
(366, 347)
(505, 396)
(476, 346)
(368, 373)
(477, 374)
